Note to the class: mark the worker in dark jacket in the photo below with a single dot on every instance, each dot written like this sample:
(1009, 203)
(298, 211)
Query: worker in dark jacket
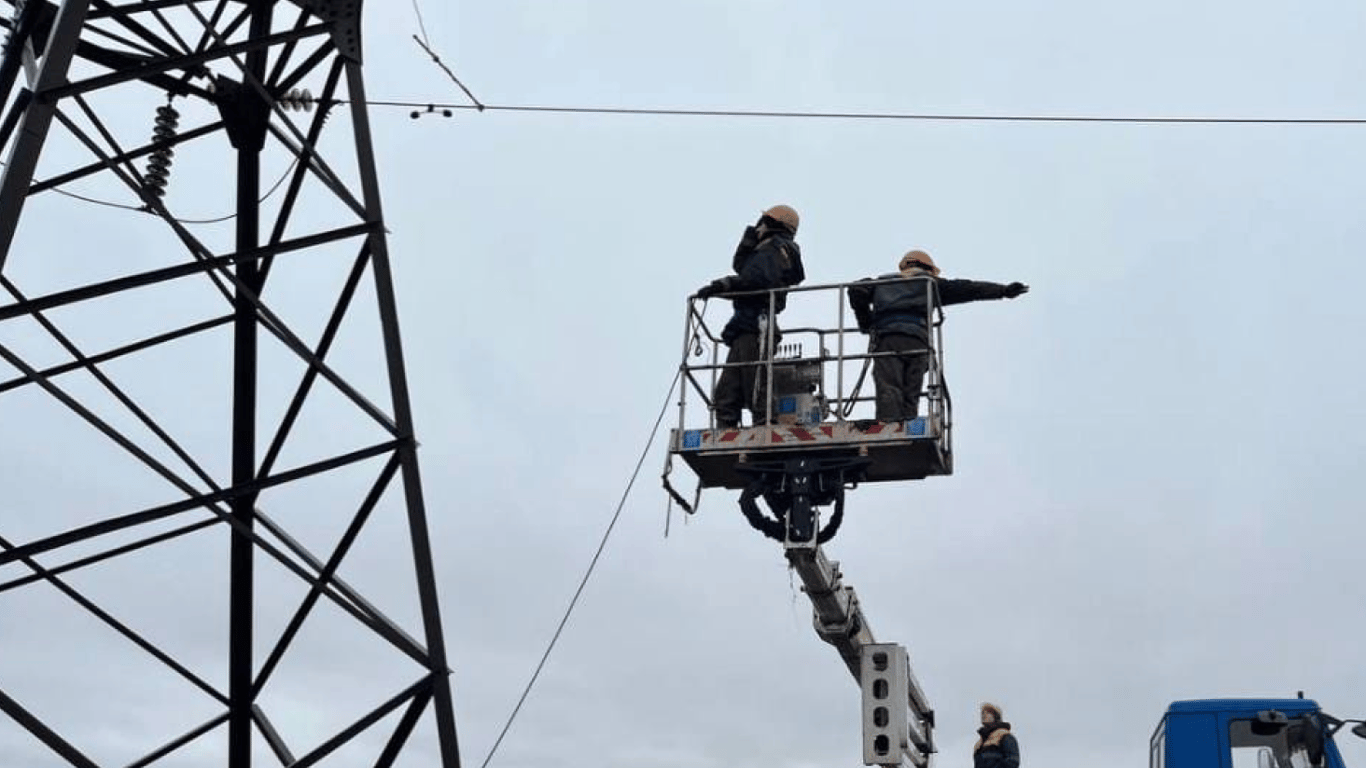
(896, 315)
(996, 745)
(766, 258)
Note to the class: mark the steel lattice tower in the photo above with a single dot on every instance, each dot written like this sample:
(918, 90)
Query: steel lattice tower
(194, 398)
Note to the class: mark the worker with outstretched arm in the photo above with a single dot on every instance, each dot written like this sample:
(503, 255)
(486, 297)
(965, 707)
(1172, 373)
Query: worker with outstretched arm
(894, 310)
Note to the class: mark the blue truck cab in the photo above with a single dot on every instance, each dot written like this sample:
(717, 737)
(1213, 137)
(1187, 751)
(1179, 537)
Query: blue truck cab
(1247, 733)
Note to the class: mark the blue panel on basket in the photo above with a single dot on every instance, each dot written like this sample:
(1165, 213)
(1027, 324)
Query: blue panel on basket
(787, 405)
(692, 439)
(916, 427)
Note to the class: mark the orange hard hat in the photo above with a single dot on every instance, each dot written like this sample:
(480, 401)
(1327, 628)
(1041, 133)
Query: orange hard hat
(785, 215)
(917, 257)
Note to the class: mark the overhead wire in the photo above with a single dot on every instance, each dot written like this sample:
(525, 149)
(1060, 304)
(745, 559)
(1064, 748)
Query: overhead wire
(424, 42)
(421, 25)
(437, 61)
(829, 115)
(592, 564)
(871, 116)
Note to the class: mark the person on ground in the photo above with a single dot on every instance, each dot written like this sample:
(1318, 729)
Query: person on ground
(996, 745)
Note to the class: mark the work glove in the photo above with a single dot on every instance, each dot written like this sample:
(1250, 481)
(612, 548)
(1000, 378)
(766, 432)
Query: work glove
(865, 322)
(864, 317)
(1015, 289)
(711, 289)
(748, 240)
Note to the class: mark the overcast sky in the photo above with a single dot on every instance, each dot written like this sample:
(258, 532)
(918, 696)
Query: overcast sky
(1157, 448)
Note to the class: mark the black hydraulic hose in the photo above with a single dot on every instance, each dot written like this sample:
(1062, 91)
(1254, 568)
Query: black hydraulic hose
(773, 529)
(858, 386)
(836, 518)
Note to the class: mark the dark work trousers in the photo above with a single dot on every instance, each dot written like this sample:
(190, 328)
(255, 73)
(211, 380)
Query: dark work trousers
(736, 387)
(898, 379)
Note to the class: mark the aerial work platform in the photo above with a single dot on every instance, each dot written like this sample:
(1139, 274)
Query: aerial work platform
(819, 372)
(815, 438)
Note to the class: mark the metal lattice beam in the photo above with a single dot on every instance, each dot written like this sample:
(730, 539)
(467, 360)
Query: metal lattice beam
(81, 81)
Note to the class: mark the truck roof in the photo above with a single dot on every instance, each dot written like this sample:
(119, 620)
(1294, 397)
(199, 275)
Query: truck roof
(1243, 705)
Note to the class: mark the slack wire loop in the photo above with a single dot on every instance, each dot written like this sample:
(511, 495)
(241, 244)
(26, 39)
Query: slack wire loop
(143, 209)
(588, 573)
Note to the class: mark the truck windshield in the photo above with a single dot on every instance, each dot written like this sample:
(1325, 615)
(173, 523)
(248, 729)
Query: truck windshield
(1283, 749)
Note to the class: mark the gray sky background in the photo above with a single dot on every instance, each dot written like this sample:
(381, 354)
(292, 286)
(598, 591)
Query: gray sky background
(1157, 448)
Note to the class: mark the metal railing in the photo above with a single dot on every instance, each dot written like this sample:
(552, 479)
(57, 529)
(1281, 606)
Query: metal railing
(786, 362)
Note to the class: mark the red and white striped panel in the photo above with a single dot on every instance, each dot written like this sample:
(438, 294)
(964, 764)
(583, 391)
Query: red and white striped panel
(834, 432)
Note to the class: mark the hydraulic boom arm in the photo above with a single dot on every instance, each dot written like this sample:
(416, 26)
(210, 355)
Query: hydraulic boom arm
(897, 720)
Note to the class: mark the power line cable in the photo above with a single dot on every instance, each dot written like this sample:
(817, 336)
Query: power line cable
(437, 60)
(871, 116)
(420, 24)
(792, 114)
(587, 574)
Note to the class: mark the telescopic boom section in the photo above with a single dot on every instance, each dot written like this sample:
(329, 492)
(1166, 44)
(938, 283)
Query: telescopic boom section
(898, 722)
(835, 610)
